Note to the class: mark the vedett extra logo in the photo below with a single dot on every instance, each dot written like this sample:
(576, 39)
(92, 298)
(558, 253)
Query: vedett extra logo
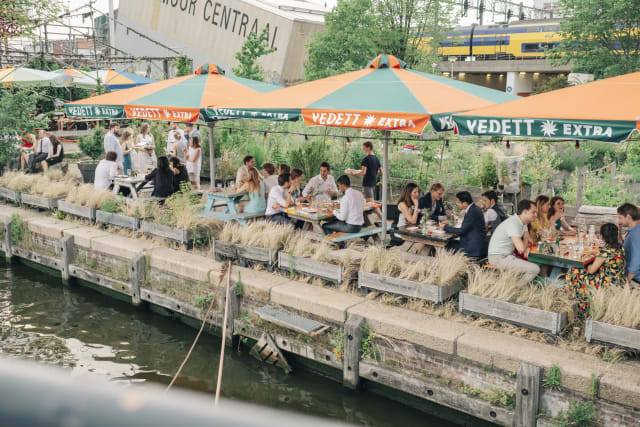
(536, 128)
(159, 113)
(413, 123)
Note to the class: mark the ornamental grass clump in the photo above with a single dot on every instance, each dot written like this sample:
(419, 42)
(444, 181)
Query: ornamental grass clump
(53, 184)
(257, 234)
(89, 196)
(617, 306)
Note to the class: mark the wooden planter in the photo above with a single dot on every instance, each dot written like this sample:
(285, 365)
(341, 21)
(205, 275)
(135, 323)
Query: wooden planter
(10, 195)
(129, 222)
(77, 210)
(179, 235)
(257, 255)
(408, 288)
(519, 315)
(606, 333)
(224, 249)
(311, 267)
(39, 201)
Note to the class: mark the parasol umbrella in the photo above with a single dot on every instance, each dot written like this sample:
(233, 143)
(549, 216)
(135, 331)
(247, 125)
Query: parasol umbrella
(22, 76)
(605, 110)
(384, 96)
(179, 99)
(116, 80)
(81, 79)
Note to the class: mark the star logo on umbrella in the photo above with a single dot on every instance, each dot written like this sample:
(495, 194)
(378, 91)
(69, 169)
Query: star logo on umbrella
(166, 113)
(548, 128)
(368, 121)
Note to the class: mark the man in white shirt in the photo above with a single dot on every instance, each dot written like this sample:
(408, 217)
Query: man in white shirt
(173, 127)
(243, 173)
(279, 199)
(43, 149)
(177, 147)
(112, 143)
(322, 184)
(270, 178)
(105, 171)
(349, 218)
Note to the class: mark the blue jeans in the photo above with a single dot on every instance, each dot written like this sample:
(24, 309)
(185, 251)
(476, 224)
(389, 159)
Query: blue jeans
(280, 218)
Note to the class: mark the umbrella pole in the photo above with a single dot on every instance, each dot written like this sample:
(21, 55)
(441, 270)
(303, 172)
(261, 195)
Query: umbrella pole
(385, 183)
(212, 157)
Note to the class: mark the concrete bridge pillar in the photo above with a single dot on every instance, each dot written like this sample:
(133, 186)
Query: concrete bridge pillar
(519, 83)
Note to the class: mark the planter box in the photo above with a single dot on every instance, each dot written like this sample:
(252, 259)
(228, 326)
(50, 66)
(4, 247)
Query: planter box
(520, 315)
(225, 249)
(607, 333)
(77, 210)
(408, 288)
(311, 267)
(129, 222)
(10, 195)
(39, 201)
(182, 236)
(254, 254)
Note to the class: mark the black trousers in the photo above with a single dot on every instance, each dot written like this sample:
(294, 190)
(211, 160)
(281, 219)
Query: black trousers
(35, 159)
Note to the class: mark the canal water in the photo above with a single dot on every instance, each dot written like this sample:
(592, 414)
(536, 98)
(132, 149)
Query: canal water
(91, 334)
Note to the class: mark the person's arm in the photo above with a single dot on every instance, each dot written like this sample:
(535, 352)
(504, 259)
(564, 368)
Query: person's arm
(197, 155)
(595, 265)
(244, 187)
(633, 258)
(151, 176)
(307, 188)
(519, 244)
(409, 216)
(362, 171)
(341, 214)
(567, 229)
(113, 171)
(280, 202)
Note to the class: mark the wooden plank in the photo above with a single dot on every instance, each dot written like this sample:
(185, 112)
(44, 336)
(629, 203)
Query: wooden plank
(527, 394)
(255, 254)
(66, 254)
(99, 279)
(516, 314)
(352, 344)
(47, 261)
(39, 201)
(77, 210)
(288, 320)
(311, 267)
(408, 288)
(607, 333)
(222, 248)
(10, 195)
(123, 221)
(8, 245)
(137, 269)
(178, 306)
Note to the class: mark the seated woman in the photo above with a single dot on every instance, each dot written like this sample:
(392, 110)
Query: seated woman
(541, 222)
(56, 156)
(556, 216)
(408, 212)
(26, 148)
(180, 173)
(255, 187)
(162, 177)
(607, 268)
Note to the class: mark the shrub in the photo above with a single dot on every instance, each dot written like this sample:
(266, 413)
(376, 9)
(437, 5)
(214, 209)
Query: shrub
(93, 145)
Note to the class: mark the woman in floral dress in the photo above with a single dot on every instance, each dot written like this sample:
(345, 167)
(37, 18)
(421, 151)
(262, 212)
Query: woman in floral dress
(607, 268)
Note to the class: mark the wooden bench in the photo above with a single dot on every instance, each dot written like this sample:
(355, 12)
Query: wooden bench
(240, 217)
(339, 237)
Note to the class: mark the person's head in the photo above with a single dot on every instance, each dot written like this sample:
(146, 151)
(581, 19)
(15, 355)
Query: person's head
(283, 168)
(527, 211)
(188, 127)
(144, 129)
(543, 204)
(42, 133)
(194, 141)
(463, 199)
(628, 214)
(54, 140)
(556, 206)
(249, 161)
(268, 169)
(409, 194)
(254, 178)
(367, 147)
(609, 233)
(111, 156)
(175, 162)
(114, 128)
(283, 180)
(489, 199)
(344, 183)
(324, 170)
(163, 164)
(437, 191)
(173, 125)
(296, 175)
(126, 134)
(176, 135)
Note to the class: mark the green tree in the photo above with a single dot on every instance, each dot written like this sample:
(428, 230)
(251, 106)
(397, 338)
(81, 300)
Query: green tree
(557, 82)
(347, 43)
(252, 49)
(20, 18)
(183, 66)
(601, 36)
(17, 115)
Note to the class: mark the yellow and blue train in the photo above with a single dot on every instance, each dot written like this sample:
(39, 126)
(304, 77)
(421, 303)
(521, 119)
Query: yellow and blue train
(520, 40)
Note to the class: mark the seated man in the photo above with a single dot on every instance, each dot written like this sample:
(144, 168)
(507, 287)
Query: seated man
(349, 218)
(295, 179)
(495, 213)
(513, 235)
(432, 202)
(629, 216)
(472, 231)
(44, 149)
(105, 171)
(243, 173)
(322, 185)
(270, 178)
(279, 199)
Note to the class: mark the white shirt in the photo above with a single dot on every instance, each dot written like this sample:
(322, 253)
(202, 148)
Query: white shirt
(270, 182)
(105, 171)
(276, 195)
(242, 176)
(45, 146)
(111, 143)
(351, 207)
(490, 215)
(171, 139)
(317, 186)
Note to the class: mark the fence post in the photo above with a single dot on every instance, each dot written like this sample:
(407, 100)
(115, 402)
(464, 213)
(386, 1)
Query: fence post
(66, 255)
(527, 395)
(8, 253)
(352, 343)
(137, 271)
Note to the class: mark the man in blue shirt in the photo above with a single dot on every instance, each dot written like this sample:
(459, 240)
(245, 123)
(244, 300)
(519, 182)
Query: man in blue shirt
(629, 216)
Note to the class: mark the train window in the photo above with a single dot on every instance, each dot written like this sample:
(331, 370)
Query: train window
(530, 47)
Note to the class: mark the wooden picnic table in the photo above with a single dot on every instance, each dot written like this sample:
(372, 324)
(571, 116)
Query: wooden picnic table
(414, 234)
(565, 258)
(230, 200)
(133, 183)
(313, 218)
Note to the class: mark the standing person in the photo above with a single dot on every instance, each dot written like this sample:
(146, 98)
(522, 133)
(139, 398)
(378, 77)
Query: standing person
(270, 179)
(629, 216)
(279, 199)
(513, 235)
(180, 173)
(190, 131)
(495, 213)
(43, 150)
(543, 205)
(172, 135)
(432, 202)
(126, 143)
(473, 228)
(194, 161)
(556, 216)
(162, 177)
(178, 147)
(243, 172)
(145, 154)
(370, 170)
(255, 187)
(56, 156)
(111, 143)
(105, 171)
(349, 218)
(322, 185)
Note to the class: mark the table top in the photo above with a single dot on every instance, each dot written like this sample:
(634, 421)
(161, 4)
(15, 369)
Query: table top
(416, 232)
(230, 194)
(129, 179)
(565, 256)
(320, 214)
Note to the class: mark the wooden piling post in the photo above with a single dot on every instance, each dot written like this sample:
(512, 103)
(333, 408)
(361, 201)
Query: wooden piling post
(527, 395)
(137, 270)
(352, 343)
(233, 313)
(8, 252)
(66, 257)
